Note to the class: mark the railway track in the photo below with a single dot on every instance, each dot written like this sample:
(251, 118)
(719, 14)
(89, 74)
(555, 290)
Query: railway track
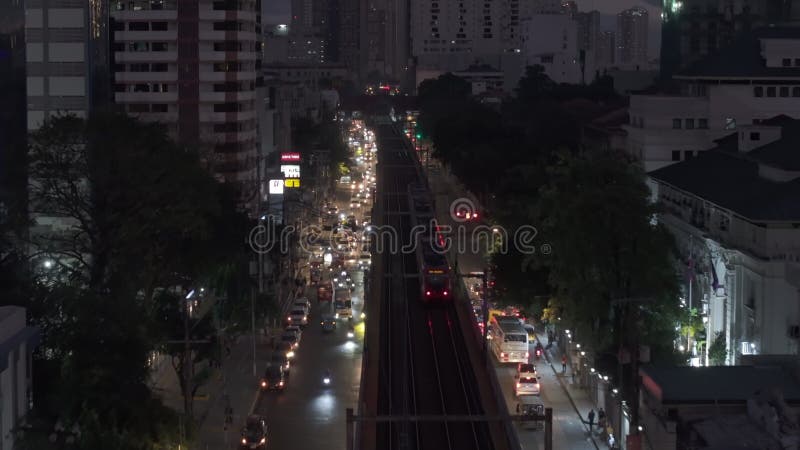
(424, 366)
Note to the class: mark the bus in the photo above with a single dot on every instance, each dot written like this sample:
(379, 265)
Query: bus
(509, 340)
(342, 303)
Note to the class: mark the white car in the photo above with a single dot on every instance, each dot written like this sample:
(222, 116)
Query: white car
(298, 316)
(527, 386)
(355, 202)
(303, 303)
(525, 370)
(365, 260)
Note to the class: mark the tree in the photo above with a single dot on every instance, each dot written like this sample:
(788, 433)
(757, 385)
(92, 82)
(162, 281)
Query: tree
(718, 350)
(596, 215)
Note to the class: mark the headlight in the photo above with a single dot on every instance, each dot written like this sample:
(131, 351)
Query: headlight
(244, 441)
(290, 354)
(263, 440)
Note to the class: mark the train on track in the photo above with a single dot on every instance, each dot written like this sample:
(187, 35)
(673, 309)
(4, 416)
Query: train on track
(436, 275)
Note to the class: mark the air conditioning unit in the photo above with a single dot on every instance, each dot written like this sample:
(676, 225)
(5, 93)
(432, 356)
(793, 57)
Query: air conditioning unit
(794, 331)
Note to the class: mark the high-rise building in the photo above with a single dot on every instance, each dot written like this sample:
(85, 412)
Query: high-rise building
(604, 52)
(193, 65)
(550, 40)
(694, 29)
(13, 117)
(632, 37)
(352, 36)
(588, 29)
(569, 7)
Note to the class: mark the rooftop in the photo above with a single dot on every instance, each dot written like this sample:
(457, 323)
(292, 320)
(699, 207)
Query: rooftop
(719, 384)
(742, 59)
(737, 184)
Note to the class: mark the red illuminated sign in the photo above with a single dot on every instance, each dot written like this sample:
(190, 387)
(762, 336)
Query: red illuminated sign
(290, 157)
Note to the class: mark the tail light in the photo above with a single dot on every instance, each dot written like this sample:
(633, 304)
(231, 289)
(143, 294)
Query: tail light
(263, 384)
(474, 215)
(518, 385)
(502, 355)
(280, 384)
(428, 293)
(289, 318)
(445, 293)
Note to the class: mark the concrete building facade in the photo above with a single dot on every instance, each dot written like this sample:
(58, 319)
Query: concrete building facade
(631, 40)
(193, 65)
(734, 210)
(755, 78)
(17, 342)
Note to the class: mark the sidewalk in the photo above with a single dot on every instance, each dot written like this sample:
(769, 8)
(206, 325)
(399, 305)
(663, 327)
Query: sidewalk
(578, 397)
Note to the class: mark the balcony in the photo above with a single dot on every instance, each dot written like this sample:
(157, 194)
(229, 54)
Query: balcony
(146, 97)
(208, 75)
(134, 57)
(212, 56)
(145, 15)
(152, 77)
(220, 97)
(146, 36)
(244, 16)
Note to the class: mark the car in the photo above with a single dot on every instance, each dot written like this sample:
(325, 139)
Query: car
(274, 379)
(280, 359)
(525, 370)
(355, 202)
(467, 214)
(298, 316)
(285, 348)
(254, 433)
(527, 386)
(365, 260)
(290, 338)
(328, 323)
(296, 330)
(303, 303)
(531, 331)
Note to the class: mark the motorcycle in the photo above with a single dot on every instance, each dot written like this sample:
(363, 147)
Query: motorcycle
(351, 333)
(538, 352)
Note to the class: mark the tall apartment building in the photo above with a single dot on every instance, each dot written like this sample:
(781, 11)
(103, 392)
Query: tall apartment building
(13, 117)
(17, 342)
(693, 29)
(453, 35)
(604, 52)
(551, 41)
(193, 65)
(632, 37)
(588, 31)
(351, 36)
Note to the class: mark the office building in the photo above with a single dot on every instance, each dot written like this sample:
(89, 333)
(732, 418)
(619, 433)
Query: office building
(605, 49)
(551, 40)
(17, 342)
(13, 117)
(194, 65)
(694, 29)
(631, 37)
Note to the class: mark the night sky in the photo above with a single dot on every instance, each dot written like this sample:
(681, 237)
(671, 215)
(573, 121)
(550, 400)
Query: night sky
(277, 11)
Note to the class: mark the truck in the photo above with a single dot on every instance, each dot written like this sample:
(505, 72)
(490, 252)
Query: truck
(324, 293)
(343, 303)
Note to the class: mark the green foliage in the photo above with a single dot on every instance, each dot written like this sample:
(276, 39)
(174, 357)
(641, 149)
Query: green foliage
(148, 216)
(718, 350)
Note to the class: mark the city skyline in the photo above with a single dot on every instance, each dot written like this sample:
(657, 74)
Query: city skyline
(278, 11)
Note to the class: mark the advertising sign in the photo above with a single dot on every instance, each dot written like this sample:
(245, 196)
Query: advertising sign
(276, 187)
(291, 182)
(290, 157)
(291, 171)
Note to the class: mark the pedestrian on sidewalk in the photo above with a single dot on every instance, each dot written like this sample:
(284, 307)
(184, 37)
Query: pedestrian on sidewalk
(563, 363)
(591, 420)
(601, 418)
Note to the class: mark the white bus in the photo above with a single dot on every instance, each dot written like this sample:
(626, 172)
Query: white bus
(509, 340)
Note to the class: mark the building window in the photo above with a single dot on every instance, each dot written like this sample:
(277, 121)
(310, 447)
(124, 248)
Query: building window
(138, 46)
(676, 124)
(787, 62)
(227, 107)
(796, 91)
(676, 155)
(730, 123)
(758, 91)
(119, 46)
(158, 46)
(797, 62)
(140, 67)
(688, 154)
(118, 26)
(784, 91)
(690, 124)
(138, 26)
(771, 91)
(702, 124)
(159, 107)
(138, 107)
(755, 136)
(159, 67)
(159, 26)
(142, 87)
(119, 87)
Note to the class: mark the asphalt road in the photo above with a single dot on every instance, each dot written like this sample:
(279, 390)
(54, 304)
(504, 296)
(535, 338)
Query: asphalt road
(309, 415)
